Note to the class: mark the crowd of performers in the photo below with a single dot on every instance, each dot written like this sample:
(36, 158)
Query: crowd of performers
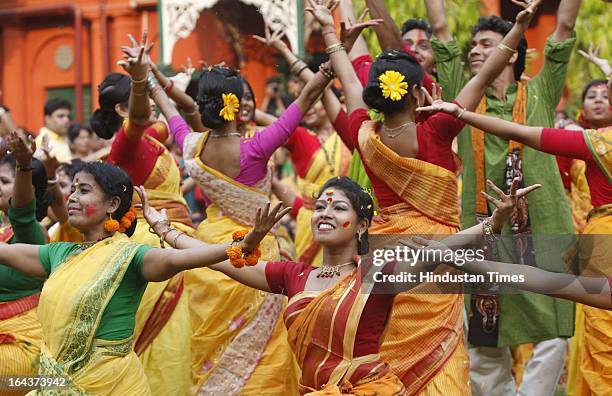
(124, 295)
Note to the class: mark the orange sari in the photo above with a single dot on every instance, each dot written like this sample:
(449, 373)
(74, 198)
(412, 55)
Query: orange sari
(322, 330)
(424, 343)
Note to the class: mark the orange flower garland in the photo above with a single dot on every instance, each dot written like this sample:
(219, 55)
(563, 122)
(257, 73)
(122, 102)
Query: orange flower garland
(122, 225)
(236, 255)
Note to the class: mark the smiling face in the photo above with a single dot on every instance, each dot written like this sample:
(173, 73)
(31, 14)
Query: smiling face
(88, 205)
(247, 105)
(597, 107)
(482, 46)
(418, 41)
(7, 178)
(334, 221)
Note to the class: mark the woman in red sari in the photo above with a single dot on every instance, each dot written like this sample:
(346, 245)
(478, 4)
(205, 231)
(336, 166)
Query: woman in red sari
(336, 317)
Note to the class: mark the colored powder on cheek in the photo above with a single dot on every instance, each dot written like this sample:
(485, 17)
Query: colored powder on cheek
(90, 210)
(346, 224)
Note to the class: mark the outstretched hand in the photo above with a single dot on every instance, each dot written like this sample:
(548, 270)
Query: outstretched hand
(322, 10)
(157, 220)
(530, 7)
(434, 104)
(505, 203)
(349, 31)
(273, 39)
(264, 221)
(136, 58)
(22, 148)
(593, 56)
(49, 161)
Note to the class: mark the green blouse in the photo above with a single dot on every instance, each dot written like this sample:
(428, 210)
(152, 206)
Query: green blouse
(26, 229)
(119, 317)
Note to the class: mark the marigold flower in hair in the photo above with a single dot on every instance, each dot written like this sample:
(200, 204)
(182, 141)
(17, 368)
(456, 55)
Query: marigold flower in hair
(393, 85)
(230, 106)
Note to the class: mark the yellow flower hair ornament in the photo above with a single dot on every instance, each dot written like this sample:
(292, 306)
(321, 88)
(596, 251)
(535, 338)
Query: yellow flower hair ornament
(230, 106)
(393, 85)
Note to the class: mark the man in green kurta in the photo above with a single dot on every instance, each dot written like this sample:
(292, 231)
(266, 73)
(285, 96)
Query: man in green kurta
(526, 317)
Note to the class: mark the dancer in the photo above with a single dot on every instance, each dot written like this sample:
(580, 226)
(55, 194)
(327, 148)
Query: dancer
(87, 328)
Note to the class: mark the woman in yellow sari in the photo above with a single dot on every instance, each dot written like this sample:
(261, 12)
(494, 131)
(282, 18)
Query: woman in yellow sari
(88, 304)
(238, 343)
(162, 325)
(337, 313)
(412, 172)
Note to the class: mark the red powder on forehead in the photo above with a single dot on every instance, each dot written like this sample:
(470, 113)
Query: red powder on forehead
(90, 210)
(421, 36)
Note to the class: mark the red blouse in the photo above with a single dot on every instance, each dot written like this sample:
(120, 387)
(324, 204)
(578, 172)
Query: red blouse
(289, 278)
(570, 143)
(135, 155)
(434, 136)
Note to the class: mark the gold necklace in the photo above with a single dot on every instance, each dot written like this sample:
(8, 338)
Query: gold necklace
(389, 131)
(331, 271)
(328, 159)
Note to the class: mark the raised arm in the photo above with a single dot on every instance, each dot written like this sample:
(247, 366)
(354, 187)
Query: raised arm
(566, 19)
(351, 28)
(340, 61)
(23, 151)
(437, 20)
(178, 95)
(300, 69)
(474, 90)
(388, 33)
(189, 253)
(51, 164)
(135, 63)
(530, 136)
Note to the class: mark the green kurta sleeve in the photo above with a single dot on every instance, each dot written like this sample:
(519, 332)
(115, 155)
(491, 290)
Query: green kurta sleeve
(449, 67)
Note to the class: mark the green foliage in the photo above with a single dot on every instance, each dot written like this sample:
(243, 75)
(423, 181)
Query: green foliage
(592, 26)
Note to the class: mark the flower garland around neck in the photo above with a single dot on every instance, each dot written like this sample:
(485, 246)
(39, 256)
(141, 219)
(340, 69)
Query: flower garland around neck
(231, 105)
(393, 85)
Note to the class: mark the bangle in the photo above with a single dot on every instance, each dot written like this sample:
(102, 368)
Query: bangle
(334, 48)
(169, 86)
(328, 30)
(152, 226)
(22, 168)
(139, 81)
(460, 113)
(326, 71)
(162, 238)
(301, 70)
(178, 235)
(52, 182)
(294, 63)
(504, 47)
(297, 67)
(487, 231)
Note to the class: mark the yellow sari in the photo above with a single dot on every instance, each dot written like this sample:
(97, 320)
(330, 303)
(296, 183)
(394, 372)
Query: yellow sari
(70, 316)
(424, 343)
(590, 365)
(239, 344)
(162, 333)
(319, 171)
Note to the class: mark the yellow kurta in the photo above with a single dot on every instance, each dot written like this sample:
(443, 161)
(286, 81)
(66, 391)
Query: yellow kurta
(239, 343)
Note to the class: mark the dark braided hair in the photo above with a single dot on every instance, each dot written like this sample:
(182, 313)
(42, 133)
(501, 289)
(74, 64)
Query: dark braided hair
(115, 183)
(361, 202)
(214, 82)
